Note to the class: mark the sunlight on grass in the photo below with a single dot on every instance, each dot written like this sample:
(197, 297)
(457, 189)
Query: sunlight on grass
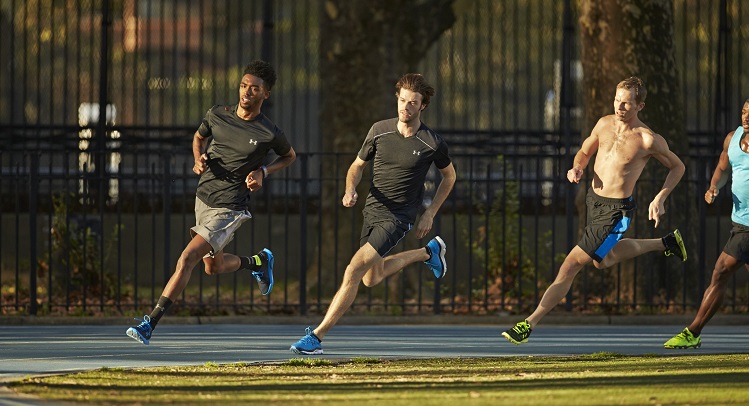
(593, 379)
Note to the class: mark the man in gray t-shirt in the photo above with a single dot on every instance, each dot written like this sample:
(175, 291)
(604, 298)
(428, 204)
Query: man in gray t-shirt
(402, 150)
(230, 167)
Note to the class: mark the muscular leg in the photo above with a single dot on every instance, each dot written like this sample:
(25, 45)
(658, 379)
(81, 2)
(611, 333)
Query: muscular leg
(365, 259)
(221, 263)
(725, 266)
(629, 248)
(573, 263)
(195, 250)
(393, 264)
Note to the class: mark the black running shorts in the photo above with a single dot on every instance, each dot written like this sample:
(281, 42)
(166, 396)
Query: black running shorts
(737, 245)
(383, 234)
(608, 219)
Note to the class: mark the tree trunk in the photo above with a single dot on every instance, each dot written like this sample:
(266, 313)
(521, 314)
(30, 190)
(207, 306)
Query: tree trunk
(365, 47)
(635, 38)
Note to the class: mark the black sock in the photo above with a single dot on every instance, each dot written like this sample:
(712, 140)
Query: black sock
(253, 264)
(663, 240)
(159, 310)
(429, 252)
(315, 335)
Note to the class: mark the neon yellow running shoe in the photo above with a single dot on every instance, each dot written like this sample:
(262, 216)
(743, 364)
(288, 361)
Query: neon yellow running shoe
(518, 334)
(684, 340)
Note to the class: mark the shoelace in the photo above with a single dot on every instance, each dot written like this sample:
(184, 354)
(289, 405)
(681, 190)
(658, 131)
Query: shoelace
(145, 323)
(520, 328)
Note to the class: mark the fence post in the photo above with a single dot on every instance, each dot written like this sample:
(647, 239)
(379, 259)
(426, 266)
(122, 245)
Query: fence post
(167, 205)
(33, 204)
(564, 119)
(303, 235)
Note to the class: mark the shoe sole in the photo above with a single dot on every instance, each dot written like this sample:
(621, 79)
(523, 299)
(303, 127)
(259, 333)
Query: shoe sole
(443, 249)
(135, 335)
(302, 352)
(680, 242)
(512, 340)
(682, 347)
(270, 270)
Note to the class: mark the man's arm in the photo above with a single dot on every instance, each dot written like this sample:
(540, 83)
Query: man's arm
(255, 178)
(353, 177)
(199, 145)
(589, 147)
(443, 190)
(675, 167)
(722, 171)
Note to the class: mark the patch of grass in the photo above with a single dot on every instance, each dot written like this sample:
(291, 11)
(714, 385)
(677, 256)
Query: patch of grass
(595, 379)
(365, 360)
(307, 362)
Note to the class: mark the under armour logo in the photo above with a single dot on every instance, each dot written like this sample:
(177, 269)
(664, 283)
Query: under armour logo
(417, 152)
(253, 142)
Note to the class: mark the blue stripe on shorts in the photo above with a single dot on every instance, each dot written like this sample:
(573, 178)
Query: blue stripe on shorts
(614, 236)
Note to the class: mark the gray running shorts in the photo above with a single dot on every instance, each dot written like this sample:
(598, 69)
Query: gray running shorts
(217, 225)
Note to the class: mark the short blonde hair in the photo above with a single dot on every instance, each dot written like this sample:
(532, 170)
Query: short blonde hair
(635, 85)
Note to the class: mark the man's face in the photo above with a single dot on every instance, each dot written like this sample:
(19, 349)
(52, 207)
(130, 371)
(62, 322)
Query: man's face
(252, 92)
(745, 117)
(625, 105)
(409, 106)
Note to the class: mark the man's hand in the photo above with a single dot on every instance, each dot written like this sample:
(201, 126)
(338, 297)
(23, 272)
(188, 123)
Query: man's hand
(255, 180)
(655, 211)
(425, 224)
(199, 166)
(711, 194)
(574, 175)
(349, 199)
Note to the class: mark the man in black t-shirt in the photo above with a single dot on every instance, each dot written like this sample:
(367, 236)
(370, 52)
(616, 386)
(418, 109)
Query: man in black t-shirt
(402, 150)
(230, 167)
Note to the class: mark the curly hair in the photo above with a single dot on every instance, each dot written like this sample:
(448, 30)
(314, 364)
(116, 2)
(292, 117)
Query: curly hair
(263, 70)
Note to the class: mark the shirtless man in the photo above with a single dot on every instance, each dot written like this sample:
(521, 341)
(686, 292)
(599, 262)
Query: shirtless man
(624, 145)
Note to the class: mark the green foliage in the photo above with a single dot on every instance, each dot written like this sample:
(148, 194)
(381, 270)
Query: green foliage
(512, 270)
(77, 248)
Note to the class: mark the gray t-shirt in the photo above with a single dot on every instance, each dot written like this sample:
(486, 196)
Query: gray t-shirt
(400, 168)
(238, 147)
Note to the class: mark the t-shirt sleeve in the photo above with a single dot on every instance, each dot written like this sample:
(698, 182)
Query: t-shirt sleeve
(368, 149)
(280, 144)
(205, 126)
(442, 157)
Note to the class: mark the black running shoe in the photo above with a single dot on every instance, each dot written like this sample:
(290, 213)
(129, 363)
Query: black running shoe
(518, 334)
(675, 245)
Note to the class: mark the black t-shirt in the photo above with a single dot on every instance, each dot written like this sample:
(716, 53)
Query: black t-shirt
(400, 168)
(238, 147)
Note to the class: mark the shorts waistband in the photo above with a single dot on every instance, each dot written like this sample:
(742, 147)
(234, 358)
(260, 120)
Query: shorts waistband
(609, 200)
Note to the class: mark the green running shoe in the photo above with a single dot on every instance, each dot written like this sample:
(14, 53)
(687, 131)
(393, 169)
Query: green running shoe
(683, 340)
(675, 245)
(518, 334)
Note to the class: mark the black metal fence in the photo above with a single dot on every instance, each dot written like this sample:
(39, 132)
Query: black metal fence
(95, 211)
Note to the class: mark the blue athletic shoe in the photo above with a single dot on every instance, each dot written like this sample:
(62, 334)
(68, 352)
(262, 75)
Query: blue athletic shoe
(142, 332)
(264, 275)
(307, 345)
(436, 261)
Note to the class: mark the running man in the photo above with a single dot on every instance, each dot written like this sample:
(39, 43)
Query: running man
(403, 150)
(230, 168)
(734, 160)
(624, 144)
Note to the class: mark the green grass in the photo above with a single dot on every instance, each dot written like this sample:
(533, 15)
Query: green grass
(595, 379)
